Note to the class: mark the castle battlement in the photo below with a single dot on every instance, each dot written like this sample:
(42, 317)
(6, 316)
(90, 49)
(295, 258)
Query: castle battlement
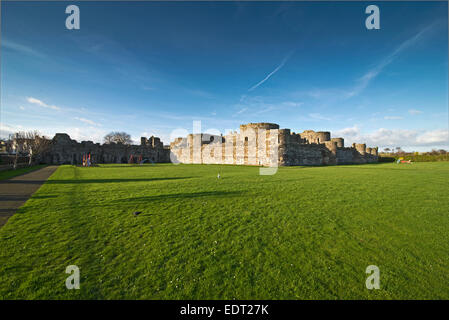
(267, 145)
(64, 150)
(263, 144)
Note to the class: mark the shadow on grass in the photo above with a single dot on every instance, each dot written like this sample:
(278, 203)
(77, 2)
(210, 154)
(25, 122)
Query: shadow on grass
(180, 196)
(44, 197)
(114, 180)
(131, 165)
(69, 181)
(22, 182)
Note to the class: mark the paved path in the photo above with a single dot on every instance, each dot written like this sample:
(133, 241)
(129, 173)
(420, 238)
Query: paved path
(16, 191)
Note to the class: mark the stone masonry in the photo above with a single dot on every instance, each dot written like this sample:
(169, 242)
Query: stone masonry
(261, 144)
(265, 144)
(64, 150)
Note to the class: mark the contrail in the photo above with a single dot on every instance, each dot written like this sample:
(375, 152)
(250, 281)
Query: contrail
(272, 72)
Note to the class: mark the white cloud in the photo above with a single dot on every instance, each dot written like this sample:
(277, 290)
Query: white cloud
(87, 121)
(6, 130)
(83, 134)
(21, 48)
(374, 72)
(260, 104)
(351, 132)
(292, 104)
(410, 139)
(318, 116)
(393, 118)
(434, 137)
(414, 111)
(241, 111)
(200, 93)
(41, 103)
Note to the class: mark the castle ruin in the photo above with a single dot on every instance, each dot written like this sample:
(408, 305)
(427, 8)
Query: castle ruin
(264, 144)
(64, 150)
(260, 144)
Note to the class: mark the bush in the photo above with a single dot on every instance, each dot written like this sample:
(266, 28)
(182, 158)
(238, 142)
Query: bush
(425, 157)
(386, 159)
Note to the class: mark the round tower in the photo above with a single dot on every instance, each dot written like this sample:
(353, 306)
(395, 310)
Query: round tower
(361, 148)
(340, 142)
(322, 136)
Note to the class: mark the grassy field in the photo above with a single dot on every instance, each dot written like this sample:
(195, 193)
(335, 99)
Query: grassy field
(303, 233)
(7, 174)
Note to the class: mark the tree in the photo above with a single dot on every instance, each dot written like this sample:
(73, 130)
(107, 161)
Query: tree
(118, 137)
(29, 143)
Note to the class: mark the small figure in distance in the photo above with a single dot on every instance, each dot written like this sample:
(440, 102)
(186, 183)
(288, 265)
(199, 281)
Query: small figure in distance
(218, 176)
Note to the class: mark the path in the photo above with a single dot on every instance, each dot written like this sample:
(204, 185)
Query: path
(16, 191)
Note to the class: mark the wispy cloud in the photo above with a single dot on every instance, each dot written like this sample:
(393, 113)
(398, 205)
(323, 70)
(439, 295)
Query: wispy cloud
(414, 111)
(7, 44)
(200, 93)
(292, 104)
(272, 72)
(41, 103)
(87, 121)
(240, 111)
(393, 118)
(260, 104)
(319, 116)
(365, 80)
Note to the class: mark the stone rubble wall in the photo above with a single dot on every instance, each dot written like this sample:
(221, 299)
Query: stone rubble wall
(64, 150)
(264, 144)
(249, 147)
(259, 144)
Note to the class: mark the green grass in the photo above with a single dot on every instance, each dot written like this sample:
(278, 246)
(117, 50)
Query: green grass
(7, 174)
(303, 233)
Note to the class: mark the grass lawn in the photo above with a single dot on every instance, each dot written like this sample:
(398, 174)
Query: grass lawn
(7, 174)
(303, 233)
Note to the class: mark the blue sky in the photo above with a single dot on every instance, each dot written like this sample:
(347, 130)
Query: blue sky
(151, 68)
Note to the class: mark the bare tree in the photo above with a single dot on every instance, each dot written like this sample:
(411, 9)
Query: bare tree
(29, 143)
(118, 137)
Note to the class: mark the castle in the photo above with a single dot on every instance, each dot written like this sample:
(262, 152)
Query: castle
(64, 150)
(266, 145)
(261, 144)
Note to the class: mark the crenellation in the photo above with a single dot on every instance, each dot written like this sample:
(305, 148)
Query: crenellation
(64, 150)
(261, 144)
(265, 144)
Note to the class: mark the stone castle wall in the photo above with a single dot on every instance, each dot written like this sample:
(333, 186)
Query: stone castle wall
(252, 146)
(266, 145)
(64, 150)
(261, 144)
